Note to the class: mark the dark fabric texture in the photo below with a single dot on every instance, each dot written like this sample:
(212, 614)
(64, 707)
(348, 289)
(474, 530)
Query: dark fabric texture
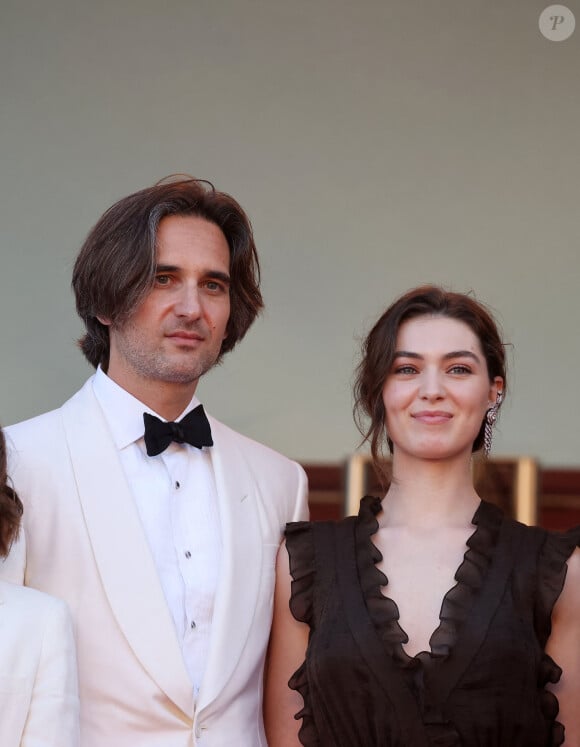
(482, 684)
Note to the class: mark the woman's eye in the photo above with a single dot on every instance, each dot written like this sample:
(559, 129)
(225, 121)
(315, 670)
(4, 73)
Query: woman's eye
(162, 279)
(405, 370)
(460, 369)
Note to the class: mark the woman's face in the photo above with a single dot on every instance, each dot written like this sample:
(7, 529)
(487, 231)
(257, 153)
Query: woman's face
(438, 389)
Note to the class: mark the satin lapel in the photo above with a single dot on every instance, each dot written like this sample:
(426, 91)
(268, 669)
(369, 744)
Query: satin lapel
(240, 573)
(121, 551)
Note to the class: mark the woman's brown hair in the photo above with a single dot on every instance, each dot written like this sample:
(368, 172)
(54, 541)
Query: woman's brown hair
(10, 505)
(379, 347)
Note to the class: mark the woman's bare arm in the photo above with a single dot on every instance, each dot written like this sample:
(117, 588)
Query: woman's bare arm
(564, 647)
(288, 641)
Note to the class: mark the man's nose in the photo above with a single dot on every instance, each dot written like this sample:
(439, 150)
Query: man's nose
(188, 303)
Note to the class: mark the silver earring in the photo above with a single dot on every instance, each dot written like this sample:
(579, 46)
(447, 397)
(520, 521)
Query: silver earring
(490, 418)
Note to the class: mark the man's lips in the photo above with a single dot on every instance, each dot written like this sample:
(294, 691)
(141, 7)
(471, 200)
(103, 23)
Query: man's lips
(432, 417)
(185, 338)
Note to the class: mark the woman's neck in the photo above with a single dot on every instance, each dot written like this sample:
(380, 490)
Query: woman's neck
(430, 493)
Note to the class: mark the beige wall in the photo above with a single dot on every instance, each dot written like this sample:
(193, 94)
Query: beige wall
(376, 145)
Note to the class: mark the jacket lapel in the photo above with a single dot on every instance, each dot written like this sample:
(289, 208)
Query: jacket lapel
(120, 547)
(240, 575)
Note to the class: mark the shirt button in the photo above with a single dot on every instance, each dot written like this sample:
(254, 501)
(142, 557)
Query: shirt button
(177, 485)
(187, 554)
(193, 625)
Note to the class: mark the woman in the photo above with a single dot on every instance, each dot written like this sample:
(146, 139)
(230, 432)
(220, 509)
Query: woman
(429, 619)
(39, 704)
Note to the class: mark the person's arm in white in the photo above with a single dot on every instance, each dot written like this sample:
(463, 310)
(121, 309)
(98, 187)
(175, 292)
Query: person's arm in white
(12, 567)
(53, 717)
(301, 512)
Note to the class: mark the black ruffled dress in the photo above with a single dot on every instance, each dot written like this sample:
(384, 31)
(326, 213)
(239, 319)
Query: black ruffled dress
(483, 682)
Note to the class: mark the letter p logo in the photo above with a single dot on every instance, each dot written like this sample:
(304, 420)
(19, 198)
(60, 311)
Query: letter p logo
(557, 22)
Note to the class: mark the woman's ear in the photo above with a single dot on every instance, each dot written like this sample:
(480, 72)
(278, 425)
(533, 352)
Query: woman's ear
(496, 391)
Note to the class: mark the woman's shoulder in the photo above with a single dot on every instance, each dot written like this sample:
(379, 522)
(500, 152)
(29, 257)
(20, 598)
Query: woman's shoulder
(304, 533)
(551, 561)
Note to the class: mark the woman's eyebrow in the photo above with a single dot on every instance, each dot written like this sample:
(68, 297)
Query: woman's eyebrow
(447, 356)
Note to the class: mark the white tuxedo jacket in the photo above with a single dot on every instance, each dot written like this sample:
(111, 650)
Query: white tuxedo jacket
(39, 704)
(83, 542)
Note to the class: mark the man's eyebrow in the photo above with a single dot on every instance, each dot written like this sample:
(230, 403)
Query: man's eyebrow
(214, 274)
(166, 268)
(447, 356)
(219, 275)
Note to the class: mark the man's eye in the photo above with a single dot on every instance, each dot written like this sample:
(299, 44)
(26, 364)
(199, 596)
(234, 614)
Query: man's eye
(215, 286)
(162, 279)
(460, 369)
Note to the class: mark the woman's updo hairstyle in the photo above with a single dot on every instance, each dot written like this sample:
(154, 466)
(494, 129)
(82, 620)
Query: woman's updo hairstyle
(379, 347)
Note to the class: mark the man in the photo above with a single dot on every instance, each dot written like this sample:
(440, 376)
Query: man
(164, 550)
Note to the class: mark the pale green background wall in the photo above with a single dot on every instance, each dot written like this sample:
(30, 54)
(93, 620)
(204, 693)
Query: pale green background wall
(375, 144)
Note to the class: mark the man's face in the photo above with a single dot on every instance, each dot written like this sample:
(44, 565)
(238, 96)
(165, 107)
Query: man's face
(175, 335)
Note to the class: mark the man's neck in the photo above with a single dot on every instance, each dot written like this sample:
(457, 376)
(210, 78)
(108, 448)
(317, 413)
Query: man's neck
(167, 399)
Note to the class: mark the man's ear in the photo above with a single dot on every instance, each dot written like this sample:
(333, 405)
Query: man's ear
(104, 320)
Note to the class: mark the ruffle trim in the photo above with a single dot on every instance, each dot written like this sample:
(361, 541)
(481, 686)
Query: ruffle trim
(455, 606)
(383, 611)
(299, 682)
(301, 552)
(551, 576)
(457, 601)
(469, 579)
(302, 569)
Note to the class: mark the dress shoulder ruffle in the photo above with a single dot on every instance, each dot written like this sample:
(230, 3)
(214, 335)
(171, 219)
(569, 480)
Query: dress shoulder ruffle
(301, 551)
(300, 545)
(556, 550)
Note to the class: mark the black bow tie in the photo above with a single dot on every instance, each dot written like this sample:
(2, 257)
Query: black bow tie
(192, 429)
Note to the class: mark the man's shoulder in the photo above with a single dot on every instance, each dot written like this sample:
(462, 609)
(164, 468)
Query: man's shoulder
(281, 482)
(47, 424)
(225, 436)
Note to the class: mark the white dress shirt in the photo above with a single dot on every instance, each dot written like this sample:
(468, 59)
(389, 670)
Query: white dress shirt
(176, 497)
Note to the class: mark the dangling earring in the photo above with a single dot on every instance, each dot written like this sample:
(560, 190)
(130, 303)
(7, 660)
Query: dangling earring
(490, 418)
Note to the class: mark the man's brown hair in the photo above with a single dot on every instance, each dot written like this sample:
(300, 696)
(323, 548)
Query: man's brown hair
(115, 267)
